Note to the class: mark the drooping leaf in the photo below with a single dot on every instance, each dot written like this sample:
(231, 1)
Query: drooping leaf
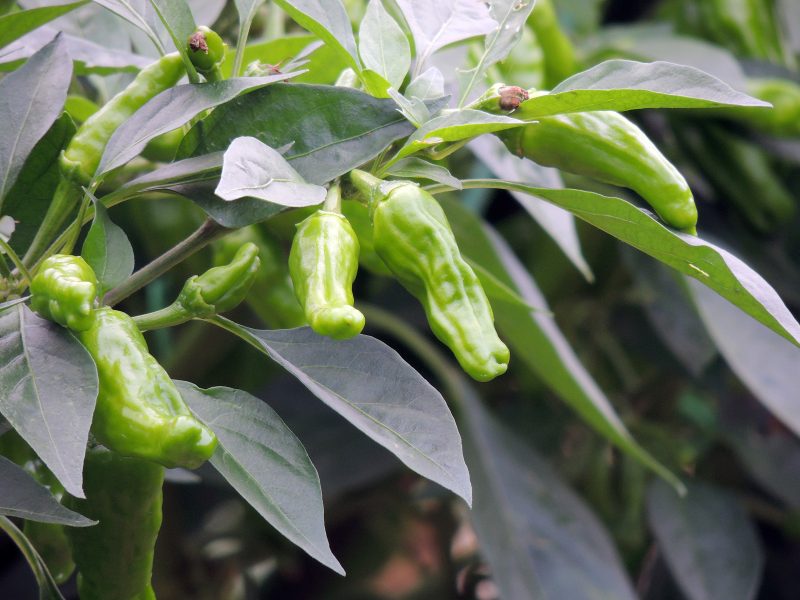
(33, 97)
(539, 537)
(107, 250)
(264, 461)
(416, 168)
(371, 386)
(24, 497)
(382, 45)
(708, 540)
(14, 25)
(48, 389)
(171, 109)
(622, 85)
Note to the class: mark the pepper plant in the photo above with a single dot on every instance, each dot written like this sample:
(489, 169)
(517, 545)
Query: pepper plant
(232, 231)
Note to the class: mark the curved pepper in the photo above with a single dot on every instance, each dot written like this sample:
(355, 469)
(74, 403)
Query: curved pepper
(140, 412)
(272, 296)
(323, 263)
(222, 288)
(606, 146)
(414, 239)
(64, 290)
(115, 557)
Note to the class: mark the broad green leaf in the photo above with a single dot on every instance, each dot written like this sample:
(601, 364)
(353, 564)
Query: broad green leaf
(24, 497)
(371, 386)
(266, 463)
(454, 127)
(557, 223)
(140, 14)
(48, 389)
(171, 109)
(539, 537)
(427, 86)
(328, 20)
(535, 338)
(33, 190)
(416, 168)
(107, 250)
(767, 364)
(382, 45)
(15, 25)
(253, 169)
(622, 85)
(87, 56)
(331, 130)
(48, 588)
(444, 22)
(708, 540)
(510, 16)
(32, 99)
(179, 22)
(718, 269)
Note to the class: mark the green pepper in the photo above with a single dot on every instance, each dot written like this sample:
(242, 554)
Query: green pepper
(357, 215)
(272, 296)
(783, 119)
(606, 146)
(559, 54)
(207, 52)
(64, 290)
(164, 147)
(323, 263)
(140, 412)
(115, 557)
(414, 239)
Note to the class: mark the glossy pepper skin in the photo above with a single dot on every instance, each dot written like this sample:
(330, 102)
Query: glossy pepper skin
(414, 239)
(323, 263)
(64, 290)
(80, 159)
(271, 296)
(139, 411)
(606, 146)
(115, 557)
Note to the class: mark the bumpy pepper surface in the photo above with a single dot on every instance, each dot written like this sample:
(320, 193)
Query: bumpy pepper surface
(140, 412)
(80, 159)
(272, 296)
(414, 239)
(64, 290)
(323, 263)
(115, 557)
(608, 147)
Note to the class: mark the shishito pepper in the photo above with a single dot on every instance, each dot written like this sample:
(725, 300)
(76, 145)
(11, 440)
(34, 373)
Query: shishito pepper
(64, 290)
(323, 263)
(115, 557)
(140, 412)
(414, 239)
(606, 146)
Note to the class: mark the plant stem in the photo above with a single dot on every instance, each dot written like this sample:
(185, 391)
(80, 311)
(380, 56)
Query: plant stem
(205, 234)
(66, 196)
(333, 199)
(16, 260)
(169, 316)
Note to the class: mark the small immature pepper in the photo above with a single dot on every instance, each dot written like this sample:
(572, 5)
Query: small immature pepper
(323, 263)
(413, 238)
(206, 49)
(139, 411)
(64, 290)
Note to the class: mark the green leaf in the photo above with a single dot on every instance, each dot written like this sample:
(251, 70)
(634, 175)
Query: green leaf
(539, 537)
(15, 25)
(253, 169)
(171, 109)
(371, 386)
(247, 10)
(332, 130)
(328, 20)
(24, 497)
(48, 389)
(266, 463)
(622, 85)
(536, 339)
(177, 18)
(382, 45)
(767, 364)
(48, 588)
(127, 9)
(727, 275)
(33, 97)
(107, 250)
(709, 542)
(416, 168)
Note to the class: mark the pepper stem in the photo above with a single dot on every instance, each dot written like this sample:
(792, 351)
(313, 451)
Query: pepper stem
(333, 200)
(169, 316)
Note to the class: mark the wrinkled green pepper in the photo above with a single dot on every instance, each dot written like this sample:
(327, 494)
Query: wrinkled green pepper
(606, 146)
(64, 290)
(140, 412)
(115, 557)
(272, 296)
(323, 263)
(414, 239)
